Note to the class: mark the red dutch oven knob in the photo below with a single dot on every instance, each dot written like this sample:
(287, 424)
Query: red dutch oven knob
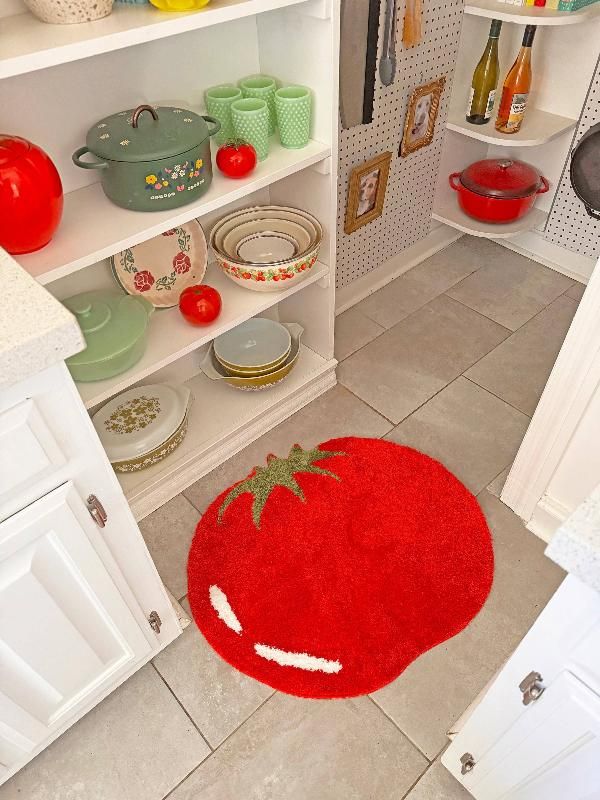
(31, 196)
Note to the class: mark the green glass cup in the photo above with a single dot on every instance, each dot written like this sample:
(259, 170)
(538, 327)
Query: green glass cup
(251, 124)
(263, 87)
(218, 104)
(293, 105)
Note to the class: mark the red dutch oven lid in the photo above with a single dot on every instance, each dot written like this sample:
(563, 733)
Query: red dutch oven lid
(502, 178)
(12, 148)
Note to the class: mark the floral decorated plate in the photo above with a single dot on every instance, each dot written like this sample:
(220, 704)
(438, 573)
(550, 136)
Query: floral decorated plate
(161, 268)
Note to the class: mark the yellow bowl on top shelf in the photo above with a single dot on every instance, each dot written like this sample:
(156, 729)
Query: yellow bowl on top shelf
(180, 5)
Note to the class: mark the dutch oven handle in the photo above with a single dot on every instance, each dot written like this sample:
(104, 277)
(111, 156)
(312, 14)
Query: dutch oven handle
(544, 187)
(452, 181)
(139, 110)
(87, 164)
(215, 122)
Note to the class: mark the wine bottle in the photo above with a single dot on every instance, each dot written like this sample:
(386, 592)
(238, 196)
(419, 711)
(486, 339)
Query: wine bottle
(515, 90)
(485, 80)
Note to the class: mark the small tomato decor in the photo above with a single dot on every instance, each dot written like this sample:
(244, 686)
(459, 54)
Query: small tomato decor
(236, 159)
(200, 305)
(326, 573)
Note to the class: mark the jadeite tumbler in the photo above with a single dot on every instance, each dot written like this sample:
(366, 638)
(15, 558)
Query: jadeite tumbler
(293, 105)
(251, 124)
(263, 87)
(219, 100)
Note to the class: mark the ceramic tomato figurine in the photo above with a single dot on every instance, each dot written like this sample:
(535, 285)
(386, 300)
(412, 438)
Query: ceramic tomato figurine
(236, 159)
(200, 304)
(31, 196)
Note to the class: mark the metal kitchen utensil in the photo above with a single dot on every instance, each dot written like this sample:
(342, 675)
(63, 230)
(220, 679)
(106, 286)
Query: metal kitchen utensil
(387, 62)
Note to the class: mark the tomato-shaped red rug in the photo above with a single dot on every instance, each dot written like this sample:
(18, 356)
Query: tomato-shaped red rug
(327, 572)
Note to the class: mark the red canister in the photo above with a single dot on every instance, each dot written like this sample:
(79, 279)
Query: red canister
(31, 196)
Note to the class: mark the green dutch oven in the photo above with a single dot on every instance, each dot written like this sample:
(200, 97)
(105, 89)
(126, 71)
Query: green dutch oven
(152, 161)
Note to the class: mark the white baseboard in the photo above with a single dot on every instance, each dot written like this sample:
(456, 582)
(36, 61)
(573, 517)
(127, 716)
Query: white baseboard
(437, 239)
(533, 245)
(548, 515)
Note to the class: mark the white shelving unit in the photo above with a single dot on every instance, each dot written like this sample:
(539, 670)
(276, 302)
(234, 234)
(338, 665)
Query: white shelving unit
(530, 15)
(73, 76)
(541, 127)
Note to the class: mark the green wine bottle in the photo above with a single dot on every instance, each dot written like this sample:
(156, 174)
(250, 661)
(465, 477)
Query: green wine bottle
(485, 80)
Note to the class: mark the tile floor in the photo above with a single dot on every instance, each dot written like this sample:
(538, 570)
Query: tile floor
(450, 358)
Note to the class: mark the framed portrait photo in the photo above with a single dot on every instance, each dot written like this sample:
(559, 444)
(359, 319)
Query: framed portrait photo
(366, 192)
(422, 112)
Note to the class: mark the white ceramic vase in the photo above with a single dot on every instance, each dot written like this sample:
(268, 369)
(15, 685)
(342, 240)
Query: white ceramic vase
(64, 12)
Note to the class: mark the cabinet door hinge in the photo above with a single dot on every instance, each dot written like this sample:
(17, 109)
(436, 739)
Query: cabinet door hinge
(155, 621)
(531, 688)
(467, 763)
(97, 512)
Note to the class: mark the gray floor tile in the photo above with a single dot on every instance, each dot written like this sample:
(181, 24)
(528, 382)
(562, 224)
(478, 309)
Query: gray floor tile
(215, 695)
(576, 291)
(168, 532)
(404, 367)
(136, 745)
(517, 370)
(438, 784)
(294, 749)
(435, 689)
(353, 330)
(496, 486)
(510, 288)
(335, 413)
(422, 283)
(472, 433)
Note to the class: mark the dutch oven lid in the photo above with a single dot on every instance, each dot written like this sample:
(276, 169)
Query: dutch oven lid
(585, 170)
(146, 133)
(110, 321)
(502, 178)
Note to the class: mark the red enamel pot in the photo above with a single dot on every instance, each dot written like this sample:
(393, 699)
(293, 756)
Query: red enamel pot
(498, 190)
(31, 196)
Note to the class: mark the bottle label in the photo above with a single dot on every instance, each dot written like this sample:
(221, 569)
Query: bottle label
(490, 104)
(517, 110)
(471, 95)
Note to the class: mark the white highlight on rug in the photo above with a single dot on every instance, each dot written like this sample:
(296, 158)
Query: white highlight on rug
(299, 660)
(220, 603)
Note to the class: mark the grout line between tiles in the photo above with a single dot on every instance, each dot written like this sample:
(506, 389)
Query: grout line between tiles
(497, 396)
(406, 795)
(183, 708)
(218, 747)
(398, 728)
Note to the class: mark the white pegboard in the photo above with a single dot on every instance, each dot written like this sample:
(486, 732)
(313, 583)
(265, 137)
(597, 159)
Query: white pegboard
(569, 225)
(411, 186)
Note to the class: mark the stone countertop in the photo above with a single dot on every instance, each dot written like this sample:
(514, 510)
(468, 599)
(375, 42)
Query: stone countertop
(576, 544)
(36, 330)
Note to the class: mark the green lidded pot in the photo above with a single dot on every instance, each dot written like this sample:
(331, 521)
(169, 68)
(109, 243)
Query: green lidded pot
(151, 158)
(114, 326)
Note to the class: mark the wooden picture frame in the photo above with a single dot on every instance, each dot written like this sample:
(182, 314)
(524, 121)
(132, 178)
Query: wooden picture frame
(421, 115)
(366, 192)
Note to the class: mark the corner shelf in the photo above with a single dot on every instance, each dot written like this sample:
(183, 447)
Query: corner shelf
(222, 421)
(530, 15)
(27, 44)
(447, 210)
(538, 128)
(93, 228)
(170, 337)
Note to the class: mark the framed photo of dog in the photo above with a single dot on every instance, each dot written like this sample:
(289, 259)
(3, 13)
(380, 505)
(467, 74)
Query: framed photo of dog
(366, 192)
(421, 116)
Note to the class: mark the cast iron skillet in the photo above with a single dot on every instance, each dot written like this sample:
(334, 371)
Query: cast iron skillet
(585, 171)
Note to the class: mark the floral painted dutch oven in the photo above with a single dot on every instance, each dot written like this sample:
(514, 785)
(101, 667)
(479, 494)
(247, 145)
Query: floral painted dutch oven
(151, 161)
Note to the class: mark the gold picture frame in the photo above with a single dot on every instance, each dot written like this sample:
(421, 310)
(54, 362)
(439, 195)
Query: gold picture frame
(421, 115)
(366, 192)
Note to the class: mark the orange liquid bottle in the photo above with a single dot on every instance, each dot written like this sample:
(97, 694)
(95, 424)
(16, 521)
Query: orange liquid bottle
(515, 91)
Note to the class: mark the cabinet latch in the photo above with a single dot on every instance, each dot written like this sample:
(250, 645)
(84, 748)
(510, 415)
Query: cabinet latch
(531, 688)
(155, 621)
(467, 763)
(97, 512)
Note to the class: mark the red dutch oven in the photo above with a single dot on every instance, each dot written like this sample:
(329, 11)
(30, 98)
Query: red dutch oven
(498, 189)
(31, 196)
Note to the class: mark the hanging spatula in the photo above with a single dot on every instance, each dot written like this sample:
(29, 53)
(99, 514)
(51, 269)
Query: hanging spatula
(387, 62)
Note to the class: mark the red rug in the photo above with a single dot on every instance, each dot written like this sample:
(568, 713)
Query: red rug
(326, 573)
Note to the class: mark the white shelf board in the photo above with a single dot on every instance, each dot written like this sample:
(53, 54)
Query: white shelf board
(530, 15)
(538, 128)
(27, 44)
(170, 337)
(447, 210)
(222, 421)
(93, 228)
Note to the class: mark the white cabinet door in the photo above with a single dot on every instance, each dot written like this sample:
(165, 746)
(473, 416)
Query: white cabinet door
(65, 631)
(551, 753)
